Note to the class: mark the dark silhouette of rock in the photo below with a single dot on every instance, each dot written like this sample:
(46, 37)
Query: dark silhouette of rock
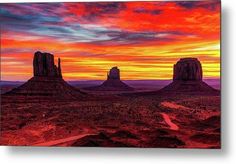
(59, 68)
(44, 66)
(188, 69)
(187, 77)
(113, 82)
(47, 82)
(113, 74)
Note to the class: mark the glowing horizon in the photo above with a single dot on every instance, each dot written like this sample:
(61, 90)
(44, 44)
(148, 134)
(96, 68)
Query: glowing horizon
(143, 40)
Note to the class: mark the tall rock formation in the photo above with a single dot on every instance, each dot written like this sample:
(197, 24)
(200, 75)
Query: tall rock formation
(47, 82)
(59, 68)
(113, 74)
(43, 65)
(187, 77)
(188, 69)
(113, 82)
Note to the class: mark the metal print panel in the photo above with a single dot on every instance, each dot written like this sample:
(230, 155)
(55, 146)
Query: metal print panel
(111, 74)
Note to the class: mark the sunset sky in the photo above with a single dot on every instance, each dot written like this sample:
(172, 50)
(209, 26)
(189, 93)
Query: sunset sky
(144, 39)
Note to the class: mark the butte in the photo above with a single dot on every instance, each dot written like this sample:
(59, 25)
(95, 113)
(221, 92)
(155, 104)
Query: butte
(47, 82)
(113, 82)
(187, 77)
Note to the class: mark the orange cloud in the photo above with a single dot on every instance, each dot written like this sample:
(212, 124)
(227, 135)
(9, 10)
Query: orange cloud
(143, 40)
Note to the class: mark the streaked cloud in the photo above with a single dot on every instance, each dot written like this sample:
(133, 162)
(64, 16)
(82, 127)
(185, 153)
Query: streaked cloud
(143, 39)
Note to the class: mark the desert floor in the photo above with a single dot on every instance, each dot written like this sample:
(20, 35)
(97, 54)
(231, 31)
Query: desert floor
(124, 120)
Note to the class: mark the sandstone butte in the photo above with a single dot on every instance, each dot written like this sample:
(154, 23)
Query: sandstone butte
(113, 82)
(47, 81)
(187, 77)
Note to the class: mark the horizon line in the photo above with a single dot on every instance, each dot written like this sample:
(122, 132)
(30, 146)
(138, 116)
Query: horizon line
(121, 79)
